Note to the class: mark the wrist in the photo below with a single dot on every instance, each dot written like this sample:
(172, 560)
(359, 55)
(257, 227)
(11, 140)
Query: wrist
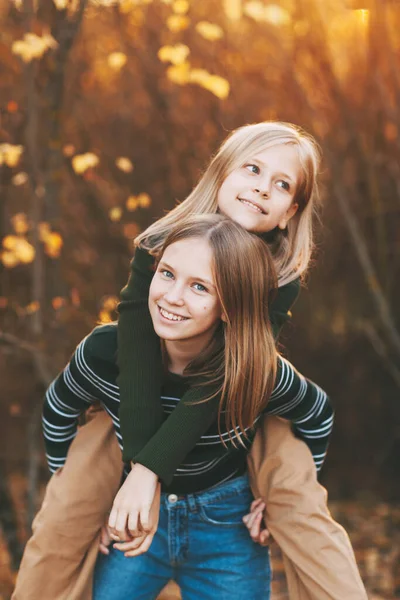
(138, 467)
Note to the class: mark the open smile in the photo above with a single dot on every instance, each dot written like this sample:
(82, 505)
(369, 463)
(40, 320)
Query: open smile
(169, 316)
(252, 205)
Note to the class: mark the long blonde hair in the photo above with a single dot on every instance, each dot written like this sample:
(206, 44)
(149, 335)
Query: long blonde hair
(292, 248)
(241, 359)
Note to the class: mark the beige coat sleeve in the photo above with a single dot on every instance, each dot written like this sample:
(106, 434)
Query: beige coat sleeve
(318, 557)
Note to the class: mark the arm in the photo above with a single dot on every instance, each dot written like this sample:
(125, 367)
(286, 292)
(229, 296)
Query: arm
(66, 398)
(305, 404)
(139, 360)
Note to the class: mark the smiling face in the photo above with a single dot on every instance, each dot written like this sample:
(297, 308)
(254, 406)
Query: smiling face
(183, 300)
(259, 195)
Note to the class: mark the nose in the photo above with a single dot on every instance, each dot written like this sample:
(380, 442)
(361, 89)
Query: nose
(263, 193)
(174, 295)
(263, 186)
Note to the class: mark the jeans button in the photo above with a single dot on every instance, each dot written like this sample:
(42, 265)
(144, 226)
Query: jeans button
(172, 498)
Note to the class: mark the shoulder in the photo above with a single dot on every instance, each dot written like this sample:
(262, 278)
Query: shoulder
(288, 293)
(101, 344)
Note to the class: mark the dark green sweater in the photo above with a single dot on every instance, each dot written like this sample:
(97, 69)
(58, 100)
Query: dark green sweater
(141, 374)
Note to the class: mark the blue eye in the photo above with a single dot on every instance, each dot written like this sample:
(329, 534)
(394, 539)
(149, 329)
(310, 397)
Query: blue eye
(199, 287)
(166, 273)
(253, 169)
(284, 185)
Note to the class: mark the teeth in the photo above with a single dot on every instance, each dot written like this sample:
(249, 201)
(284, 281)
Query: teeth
(253, 206)
(171, 316)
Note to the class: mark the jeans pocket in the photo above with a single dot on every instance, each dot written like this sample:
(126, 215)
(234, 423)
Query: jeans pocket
(228, 512)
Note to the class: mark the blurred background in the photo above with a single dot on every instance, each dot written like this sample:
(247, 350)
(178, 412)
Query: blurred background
(110, 110)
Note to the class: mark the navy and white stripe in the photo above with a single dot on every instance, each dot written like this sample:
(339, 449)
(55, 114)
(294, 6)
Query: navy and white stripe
(91, 376)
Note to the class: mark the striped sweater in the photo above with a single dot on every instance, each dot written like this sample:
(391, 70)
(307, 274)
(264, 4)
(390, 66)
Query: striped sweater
(199, 458)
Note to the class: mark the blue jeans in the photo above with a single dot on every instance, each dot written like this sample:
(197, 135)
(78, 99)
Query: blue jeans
(201, 543)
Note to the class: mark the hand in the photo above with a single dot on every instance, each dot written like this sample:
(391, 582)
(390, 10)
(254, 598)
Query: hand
(105, 540)
(141, 544)
(130, 514)
(253, 522)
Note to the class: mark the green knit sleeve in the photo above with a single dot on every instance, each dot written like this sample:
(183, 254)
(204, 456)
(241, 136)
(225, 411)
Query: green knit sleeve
(139, 360)
(181, 431)
(281, 305)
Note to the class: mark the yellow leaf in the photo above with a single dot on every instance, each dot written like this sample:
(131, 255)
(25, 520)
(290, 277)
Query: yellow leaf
(53, 244)
(132, 203)
(58, 302)
(209, 31)
(83, 162)
(273, 13)
(9, 259)
(180, 7)
(175, 54)
(20, 178)
(213, 83)
(32, 307)
(115, 214)
(24, 251)
(117, 60)
(33, 46)
(177, 23)
(277, 15)
(10, 242)
(255, 10)
(179, 73)
(124, 164)
(199, 76)
(44, 231)
(144, 200)
(61, 4)
(20, 223)
(10, 154)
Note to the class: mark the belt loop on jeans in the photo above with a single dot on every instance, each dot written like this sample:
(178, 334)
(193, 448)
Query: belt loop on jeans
(191, 500)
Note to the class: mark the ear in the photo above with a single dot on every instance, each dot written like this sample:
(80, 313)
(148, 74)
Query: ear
(291, 211)
(224, 318)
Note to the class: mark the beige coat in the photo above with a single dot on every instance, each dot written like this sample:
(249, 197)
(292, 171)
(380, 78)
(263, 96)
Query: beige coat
(59, 557)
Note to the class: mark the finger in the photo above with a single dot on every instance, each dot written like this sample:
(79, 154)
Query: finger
(143, 548)
(255, 503)
(105, 536)
(131, 545)
(265, 537)
(120, 525)
(255, 528)
(253, 516)
(133, 524)
(104, 550)
(112, 519)
(144, 519)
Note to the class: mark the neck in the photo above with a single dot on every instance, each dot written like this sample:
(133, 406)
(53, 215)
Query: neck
(181, 353)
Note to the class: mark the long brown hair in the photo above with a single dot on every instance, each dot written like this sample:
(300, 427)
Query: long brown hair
(241, 360)
(291, 249)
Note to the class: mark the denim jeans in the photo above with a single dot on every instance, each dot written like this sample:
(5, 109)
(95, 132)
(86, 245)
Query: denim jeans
(201, 543)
